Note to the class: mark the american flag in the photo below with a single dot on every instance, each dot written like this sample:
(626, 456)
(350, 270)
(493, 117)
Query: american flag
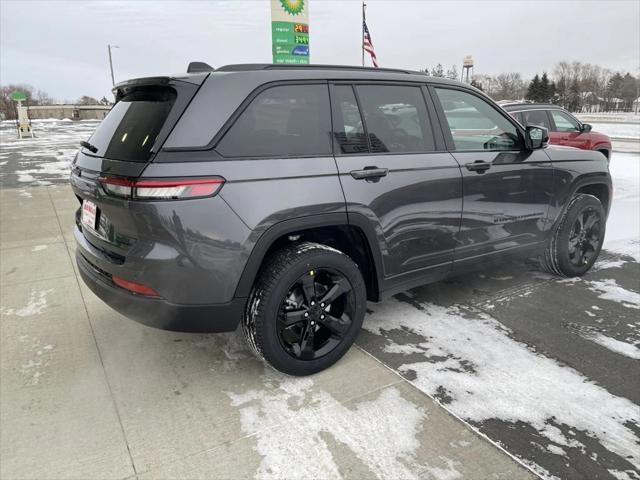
(367, 44)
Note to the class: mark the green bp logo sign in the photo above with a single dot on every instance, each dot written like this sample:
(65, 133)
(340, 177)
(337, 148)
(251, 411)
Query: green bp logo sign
(292, 7)
(290, 31)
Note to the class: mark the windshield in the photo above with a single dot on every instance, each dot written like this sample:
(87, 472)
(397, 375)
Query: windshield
(130, 129)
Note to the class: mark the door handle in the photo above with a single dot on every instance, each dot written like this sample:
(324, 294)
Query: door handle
(370, 174)
(479, 166)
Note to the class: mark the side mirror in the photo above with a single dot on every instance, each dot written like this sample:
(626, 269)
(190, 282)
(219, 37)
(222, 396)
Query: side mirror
(536, 137)
(586, 128)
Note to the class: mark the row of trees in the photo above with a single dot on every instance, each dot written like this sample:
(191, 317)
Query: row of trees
(574, 85)
(36, 97)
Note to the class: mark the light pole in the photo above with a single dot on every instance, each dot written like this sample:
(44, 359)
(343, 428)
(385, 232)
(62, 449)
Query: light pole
(109, 47)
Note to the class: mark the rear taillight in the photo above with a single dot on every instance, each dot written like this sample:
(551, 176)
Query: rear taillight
(134, 287)
(174, 189)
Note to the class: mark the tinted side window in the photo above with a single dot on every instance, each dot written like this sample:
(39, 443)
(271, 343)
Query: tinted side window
(287, 120)
(348, 126)
(564, 123)
(536, 117)
(475, 124)
(396, 118)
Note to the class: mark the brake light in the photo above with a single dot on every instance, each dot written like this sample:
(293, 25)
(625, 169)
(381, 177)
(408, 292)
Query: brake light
(117, 186)
(134, 287)
(180, 188)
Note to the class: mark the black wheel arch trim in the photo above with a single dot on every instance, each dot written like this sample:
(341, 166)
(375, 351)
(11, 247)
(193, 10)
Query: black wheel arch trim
(278, 230)
(587, 181)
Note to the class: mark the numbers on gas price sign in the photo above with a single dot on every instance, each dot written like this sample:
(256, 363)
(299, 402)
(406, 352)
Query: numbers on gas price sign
(301, 39)
(301, 28)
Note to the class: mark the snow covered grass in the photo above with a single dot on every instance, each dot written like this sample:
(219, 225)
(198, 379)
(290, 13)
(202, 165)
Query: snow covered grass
(623, 224)
(615, 117)
(618, 130)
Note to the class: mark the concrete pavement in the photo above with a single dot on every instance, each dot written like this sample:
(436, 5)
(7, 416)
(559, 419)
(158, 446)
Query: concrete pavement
(86, 393)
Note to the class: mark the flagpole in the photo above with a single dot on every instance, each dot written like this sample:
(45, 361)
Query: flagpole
(362, 36)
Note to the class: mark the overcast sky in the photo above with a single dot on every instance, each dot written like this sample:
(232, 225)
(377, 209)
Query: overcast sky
(61, 47)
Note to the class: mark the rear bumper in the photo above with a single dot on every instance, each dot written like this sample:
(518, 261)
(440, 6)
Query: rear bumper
(158, 313)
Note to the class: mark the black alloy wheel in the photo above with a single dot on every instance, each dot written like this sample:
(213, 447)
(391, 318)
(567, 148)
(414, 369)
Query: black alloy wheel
(305, 309)
(584, 239)
(316, 313)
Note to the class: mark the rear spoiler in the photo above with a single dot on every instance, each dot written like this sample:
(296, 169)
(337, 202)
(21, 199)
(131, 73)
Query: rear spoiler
(194, 78)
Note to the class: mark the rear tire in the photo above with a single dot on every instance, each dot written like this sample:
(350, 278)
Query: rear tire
(577, 239)
(306, 308)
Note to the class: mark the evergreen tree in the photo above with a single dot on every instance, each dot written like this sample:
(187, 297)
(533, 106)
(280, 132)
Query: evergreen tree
(547, 89)
(534, 90)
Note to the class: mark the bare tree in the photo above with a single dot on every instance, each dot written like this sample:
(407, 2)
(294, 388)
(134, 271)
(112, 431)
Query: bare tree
(510, 86)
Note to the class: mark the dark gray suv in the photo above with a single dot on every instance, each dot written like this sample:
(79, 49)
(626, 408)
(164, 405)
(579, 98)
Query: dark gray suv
(282, 198)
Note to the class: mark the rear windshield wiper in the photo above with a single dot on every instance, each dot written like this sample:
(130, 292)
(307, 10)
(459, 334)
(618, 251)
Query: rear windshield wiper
(88, 146)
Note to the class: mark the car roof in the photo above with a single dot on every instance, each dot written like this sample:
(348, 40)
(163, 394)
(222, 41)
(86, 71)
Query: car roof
(331, 72)
(510, 107)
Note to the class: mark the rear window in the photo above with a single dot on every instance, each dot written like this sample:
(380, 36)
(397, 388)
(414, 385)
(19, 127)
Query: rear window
(130, 129)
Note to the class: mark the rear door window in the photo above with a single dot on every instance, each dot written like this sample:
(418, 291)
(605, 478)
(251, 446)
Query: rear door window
(536, 117)
(475, 124)
(282, 121)
(130, 129)
(396, 118)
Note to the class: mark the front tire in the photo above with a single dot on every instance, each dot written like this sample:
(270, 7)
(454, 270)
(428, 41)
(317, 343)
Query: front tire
(577, 239)
(305, 309)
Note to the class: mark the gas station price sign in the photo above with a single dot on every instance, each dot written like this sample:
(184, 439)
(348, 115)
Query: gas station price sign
(290, 31)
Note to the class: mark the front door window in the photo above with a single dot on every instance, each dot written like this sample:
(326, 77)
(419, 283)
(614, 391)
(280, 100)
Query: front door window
(475, 124)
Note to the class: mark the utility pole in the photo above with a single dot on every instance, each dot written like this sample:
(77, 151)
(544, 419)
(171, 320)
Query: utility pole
(109, 47)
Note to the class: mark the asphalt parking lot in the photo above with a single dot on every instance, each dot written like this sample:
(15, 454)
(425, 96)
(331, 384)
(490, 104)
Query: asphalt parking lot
(443, 380)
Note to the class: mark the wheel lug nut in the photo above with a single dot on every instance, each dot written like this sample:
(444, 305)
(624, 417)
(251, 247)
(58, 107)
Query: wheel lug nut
(313, 303)
(306, 314)
(321, 317)
(312, 322)
(322, 305)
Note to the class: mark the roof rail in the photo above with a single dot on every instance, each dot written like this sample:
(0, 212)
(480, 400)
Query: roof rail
(271, 66)
(529, 104)
(199, 67)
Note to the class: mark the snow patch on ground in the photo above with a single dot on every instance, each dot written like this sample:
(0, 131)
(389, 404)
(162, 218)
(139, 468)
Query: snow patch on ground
(623, 348)
(36, 305)
(608, 289)
(626, 348)
(289, 416)
(488, 375)
(35, 368)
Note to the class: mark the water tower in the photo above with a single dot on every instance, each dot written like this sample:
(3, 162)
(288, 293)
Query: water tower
(467, 66)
